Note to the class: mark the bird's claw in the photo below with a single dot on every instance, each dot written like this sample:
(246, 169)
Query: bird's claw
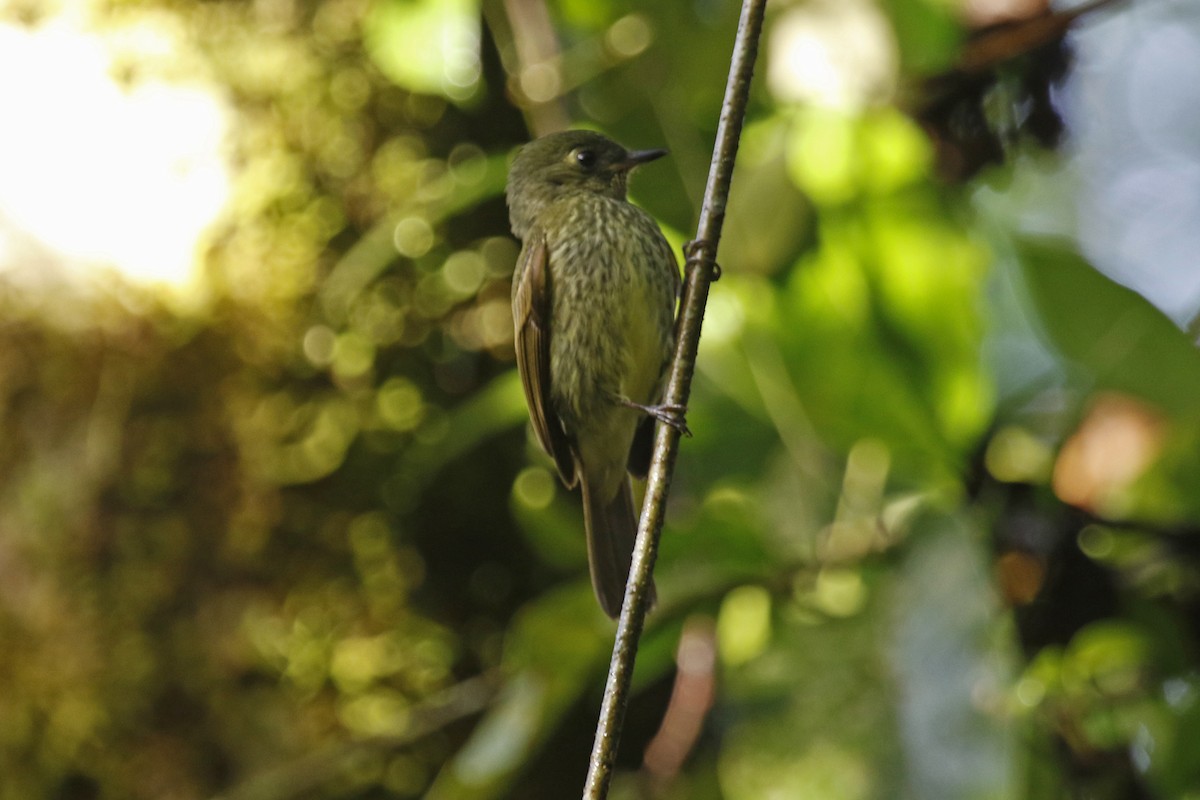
(667, 413)
(693, 251)
(672, 415)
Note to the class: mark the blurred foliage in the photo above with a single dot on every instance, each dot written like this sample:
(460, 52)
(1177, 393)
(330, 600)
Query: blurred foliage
(938, 518)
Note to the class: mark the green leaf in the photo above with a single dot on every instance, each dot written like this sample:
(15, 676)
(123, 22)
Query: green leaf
(1116, 334)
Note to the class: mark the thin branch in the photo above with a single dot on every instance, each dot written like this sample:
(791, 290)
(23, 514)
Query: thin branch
(701, 263)
(535, 48)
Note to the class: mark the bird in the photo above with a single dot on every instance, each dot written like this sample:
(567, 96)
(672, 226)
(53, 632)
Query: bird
(594, 296)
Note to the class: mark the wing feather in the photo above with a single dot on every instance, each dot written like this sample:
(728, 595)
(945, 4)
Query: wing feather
(532, 295)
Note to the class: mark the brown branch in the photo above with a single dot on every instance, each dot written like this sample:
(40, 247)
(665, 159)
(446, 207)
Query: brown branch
(701, 264)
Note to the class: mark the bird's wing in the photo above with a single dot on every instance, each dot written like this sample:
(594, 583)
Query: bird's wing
(672, 262)
(531, 319)
(679, 284)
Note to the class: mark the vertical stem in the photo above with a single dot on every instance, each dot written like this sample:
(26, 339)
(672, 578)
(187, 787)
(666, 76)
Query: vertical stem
(700, 266)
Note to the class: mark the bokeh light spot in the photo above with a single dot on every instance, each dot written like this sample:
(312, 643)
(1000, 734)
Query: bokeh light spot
(379, 713)
(534, 488)
(400, 404)
(1097, 541)
(413, 237)
(319, 344)
(629, 36)
(744, 624)
(107, 175)
(1014, 455)
(540, 82)
(1117, 441)
(840, 592)
(353, 355)
(835, 53)
(463, 272)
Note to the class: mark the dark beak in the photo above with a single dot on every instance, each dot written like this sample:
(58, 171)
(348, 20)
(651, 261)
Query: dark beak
(635, 157)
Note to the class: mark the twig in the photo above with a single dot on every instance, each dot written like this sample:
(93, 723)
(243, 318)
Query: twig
(701, 263)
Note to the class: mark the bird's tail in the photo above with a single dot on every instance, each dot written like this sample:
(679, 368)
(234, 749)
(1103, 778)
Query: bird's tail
(611, 530)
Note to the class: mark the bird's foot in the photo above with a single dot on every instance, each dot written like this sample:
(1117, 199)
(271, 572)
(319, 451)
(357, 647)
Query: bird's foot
(693, 251)
(667, 413)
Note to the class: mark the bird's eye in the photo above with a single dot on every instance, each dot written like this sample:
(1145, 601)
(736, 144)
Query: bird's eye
(586, 159)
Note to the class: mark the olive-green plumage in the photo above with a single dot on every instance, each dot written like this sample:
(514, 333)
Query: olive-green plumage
(593, 307)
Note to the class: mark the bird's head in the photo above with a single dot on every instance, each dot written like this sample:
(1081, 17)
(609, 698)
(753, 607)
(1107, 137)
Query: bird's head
(559, 164)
